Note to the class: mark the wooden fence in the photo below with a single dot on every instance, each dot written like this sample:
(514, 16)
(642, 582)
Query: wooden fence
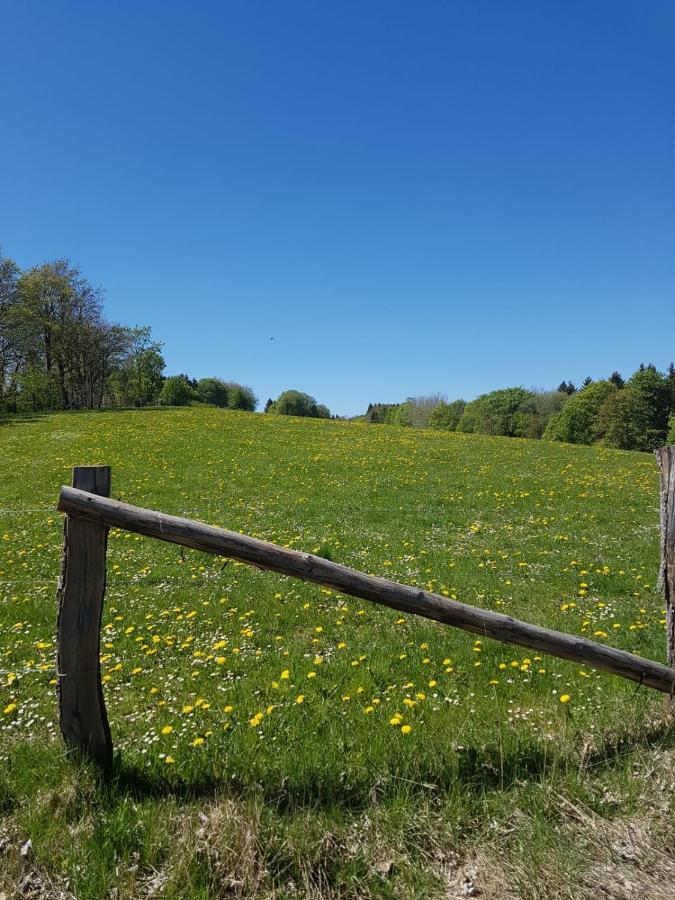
(90, 513)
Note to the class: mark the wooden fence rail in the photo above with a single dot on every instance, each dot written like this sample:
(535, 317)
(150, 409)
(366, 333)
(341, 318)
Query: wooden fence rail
(83, 721)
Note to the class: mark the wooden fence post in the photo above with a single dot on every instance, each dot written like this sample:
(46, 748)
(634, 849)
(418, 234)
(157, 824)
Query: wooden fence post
(666, 458)
(82, 713)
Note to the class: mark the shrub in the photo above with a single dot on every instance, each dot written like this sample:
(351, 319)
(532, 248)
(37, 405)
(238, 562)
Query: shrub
(419, 409)
(176, 391)
(445, 416)
(226, 394)
(671, 429)
(531, 419)
(577, 421)
(387, 413)
(240, 396)
(295, 403)
(616, 422)
(213, 391)
(499, 412)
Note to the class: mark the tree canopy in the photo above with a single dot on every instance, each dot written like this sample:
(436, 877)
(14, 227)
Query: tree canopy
(633, 414)
(296, 403)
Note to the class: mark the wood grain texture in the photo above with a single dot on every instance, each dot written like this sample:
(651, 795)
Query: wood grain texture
(666, 458)
(82, 713)
(188, 533)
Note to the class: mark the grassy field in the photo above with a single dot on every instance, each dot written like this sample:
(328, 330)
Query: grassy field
(276, 739)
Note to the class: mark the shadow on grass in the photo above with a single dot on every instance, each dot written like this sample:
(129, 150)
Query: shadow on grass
(22, 418)
(473, 771)
(26, 418)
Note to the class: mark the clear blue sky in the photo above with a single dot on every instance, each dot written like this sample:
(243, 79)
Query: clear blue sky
(409, 197)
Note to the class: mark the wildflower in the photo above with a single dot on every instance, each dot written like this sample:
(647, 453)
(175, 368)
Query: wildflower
(167, 729)
(406, 729)
(565, 698)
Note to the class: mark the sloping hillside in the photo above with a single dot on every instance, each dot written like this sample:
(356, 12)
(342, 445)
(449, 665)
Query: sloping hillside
(278, 739)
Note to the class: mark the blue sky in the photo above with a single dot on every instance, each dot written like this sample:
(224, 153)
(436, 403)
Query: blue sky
(408, 197)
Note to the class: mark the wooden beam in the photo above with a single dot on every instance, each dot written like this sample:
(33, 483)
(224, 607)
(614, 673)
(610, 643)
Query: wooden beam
(83, 719)
(401, 597)
(666, 458)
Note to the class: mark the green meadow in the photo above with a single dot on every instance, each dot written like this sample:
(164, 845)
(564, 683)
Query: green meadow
(278, 739)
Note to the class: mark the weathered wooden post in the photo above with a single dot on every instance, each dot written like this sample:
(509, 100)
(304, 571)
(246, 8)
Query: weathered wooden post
(666, 458)
(83, 719)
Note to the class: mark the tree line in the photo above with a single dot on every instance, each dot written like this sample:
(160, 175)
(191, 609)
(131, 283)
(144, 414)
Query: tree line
(58, 351)
(633, 414)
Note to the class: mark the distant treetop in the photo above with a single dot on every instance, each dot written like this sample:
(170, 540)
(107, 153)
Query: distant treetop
(296, 403)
